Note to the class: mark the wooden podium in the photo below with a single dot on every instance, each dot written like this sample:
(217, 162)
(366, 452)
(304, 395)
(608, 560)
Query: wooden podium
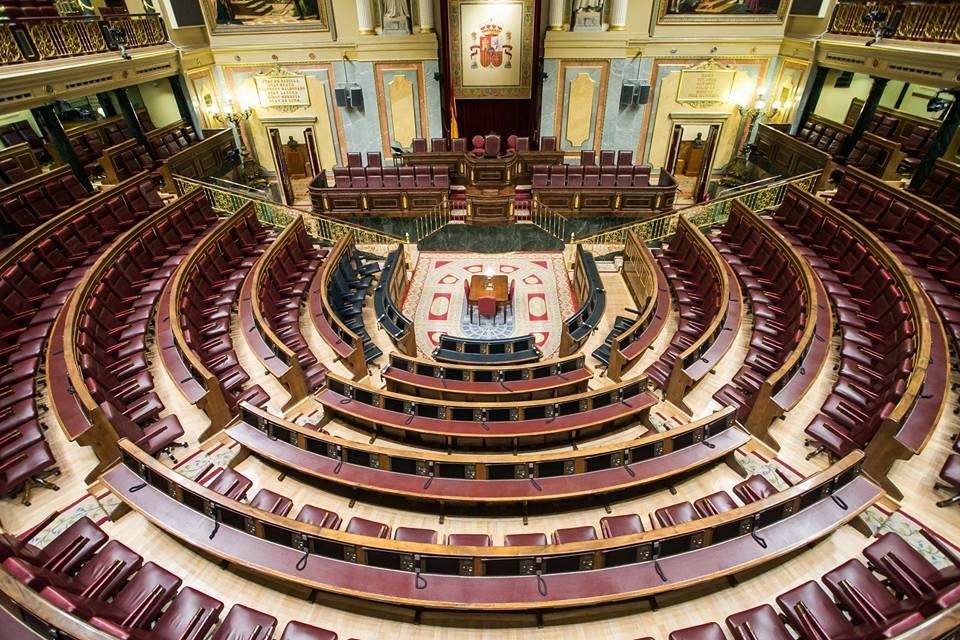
(489, 207)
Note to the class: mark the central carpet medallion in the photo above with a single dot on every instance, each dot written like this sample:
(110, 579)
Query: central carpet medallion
(437, 303)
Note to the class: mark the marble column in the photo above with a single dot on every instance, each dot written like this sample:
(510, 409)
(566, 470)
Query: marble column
(426, 16)
(618, 15)
(813, 91)
(129, 113)
(184, 106)
(556, 15)
(866, 114)
(941, 140)
(364, 18)
(53, 127)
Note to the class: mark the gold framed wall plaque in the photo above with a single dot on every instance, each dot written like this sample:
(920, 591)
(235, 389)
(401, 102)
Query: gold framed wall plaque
(490, 48)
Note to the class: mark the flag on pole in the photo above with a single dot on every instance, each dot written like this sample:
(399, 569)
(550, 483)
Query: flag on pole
(454, 127)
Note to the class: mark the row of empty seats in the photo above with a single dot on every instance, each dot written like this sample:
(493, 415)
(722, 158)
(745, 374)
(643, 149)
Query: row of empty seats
(350, 280)
(39, 275)
(895, 591)
(34, 201)
(109, 585)
(376, 177)
(580, 176)
(942, 186)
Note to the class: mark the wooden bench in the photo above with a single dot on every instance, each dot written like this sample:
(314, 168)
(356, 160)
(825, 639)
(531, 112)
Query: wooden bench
(800, 327)
(514, 478)
(429, 379)
(626, 191)
(593, 302)
(493, 578)
(477, 425)
(716, 303)
(779, 153)
(651, 294)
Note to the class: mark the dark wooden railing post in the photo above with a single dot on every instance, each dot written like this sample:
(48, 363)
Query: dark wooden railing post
(866, 114)
(54, 130)
(812, 98)
(130, 115)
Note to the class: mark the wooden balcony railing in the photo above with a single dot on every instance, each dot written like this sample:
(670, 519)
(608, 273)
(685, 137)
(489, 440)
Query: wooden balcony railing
(34, 39)
(929, 21)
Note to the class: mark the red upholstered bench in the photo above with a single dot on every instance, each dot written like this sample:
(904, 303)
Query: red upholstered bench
(412, 534)
(318, 517)
(364, 527)
(524, 539)
(271, 501)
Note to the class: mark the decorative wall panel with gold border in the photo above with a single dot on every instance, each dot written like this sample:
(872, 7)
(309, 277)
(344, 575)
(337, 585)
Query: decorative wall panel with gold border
(490, 48)
(581, 96)
(328, 128)
(401, 100)
(205, 97)
(788, 89)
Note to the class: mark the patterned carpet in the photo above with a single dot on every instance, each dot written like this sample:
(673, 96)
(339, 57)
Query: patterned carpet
(437, 304)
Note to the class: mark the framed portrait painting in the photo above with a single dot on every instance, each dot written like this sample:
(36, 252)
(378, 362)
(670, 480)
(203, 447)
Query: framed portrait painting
(721, 11)
(490, 51)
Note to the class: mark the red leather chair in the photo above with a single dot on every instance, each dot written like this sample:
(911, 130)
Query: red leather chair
(230, 483)
(574, 534)
(758, 623)
(675, 514)
(99, 577)
(863, 595)
(244, 623)
(65, 553)
(950, 474)
(136, 605)
(524, 539)
(364, 527)
(909, 572)
(27, 469)
(302, 631)
(487, 306)
(708, 631)
(318, 517)
(469, 539)
(271, 501)
(627, 524)
(190, 616)
(477, 142)
(412, 534)
(754, 488)
(713, 504)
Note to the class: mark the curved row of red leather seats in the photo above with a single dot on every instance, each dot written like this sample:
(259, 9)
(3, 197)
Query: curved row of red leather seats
(696, 287)
(942, 188)
(858, 604)
(347, 288)
(830, 137)
(208, 298)
(779, 307)
(822, 136)
(112, 343)
(925, 245)
(23, 210)
(34, 285)
(580, 176)
(173, 142)
(288, 276)
(876, 325)
(234, 485)
(110, 586)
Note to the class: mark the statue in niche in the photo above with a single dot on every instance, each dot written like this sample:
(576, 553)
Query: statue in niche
(587, 15)
(396, 17)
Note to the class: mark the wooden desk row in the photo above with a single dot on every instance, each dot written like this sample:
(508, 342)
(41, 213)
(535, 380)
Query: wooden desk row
(492, 352)
(463, 478)
(346, 344)
(593, 303)
(496, 578)
(429, 379)
(390, 291)
(466, 168)
(652, 200)
(651, 294)
(479, 425)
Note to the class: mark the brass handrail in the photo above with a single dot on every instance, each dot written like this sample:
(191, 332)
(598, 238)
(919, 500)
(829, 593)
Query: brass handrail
(278, 215)
(702, 215)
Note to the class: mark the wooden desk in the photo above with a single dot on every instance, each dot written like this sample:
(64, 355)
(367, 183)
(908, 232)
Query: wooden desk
(478, 289)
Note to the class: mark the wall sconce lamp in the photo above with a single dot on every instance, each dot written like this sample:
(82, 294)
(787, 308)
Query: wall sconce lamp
(231, 115)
